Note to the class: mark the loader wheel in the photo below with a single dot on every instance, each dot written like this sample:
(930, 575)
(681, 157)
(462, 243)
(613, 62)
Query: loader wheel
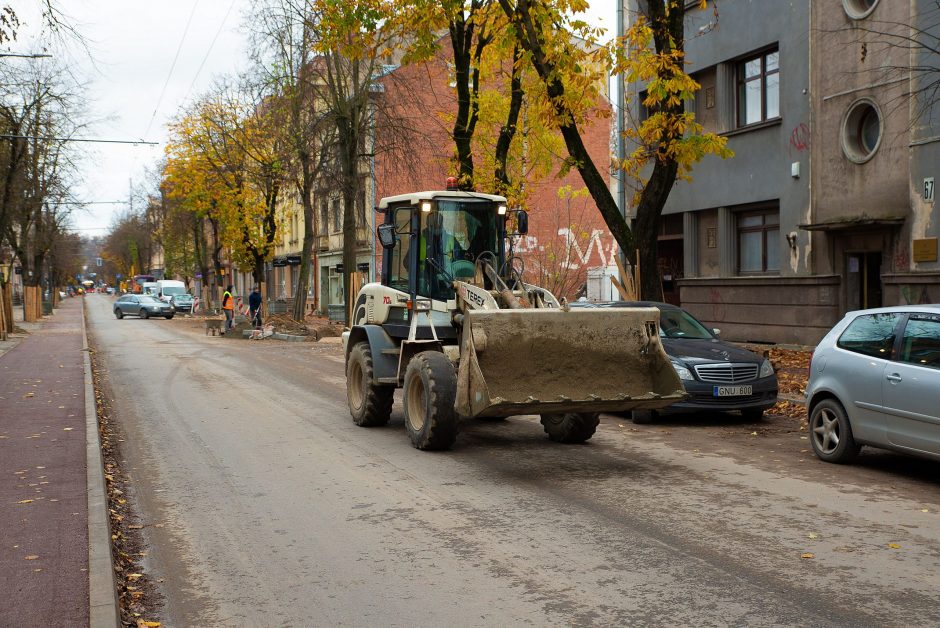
(571, 427)
(370, 404)
(429, 394)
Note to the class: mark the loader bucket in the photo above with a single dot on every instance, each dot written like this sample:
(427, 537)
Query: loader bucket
(546, 361)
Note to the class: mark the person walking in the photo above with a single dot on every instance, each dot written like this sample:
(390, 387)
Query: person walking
(254, 306)
(228, 307)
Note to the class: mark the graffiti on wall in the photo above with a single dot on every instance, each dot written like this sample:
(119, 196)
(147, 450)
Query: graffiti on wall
(800, 138)
(599, 249)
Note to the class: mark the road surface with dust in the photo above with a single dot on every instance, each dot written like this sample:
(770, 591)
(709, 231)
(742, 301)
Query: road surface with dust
(264, 505)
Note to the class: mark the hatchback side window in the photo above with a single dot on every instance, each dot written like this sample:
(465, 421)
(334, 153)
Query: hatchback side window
(870, 334)
(921, 341)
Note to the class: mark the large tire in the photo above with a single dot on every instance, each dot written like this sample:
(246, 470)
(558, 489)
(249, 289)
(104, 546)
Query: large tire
(644, 417)
(430, 392)
(370, 404)
(831, 434)
(571, 427)
(168, 316)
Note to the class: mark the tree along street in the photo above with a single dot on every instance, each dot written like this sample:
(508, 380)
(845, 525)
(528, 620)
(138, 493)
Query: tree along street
(263, 504)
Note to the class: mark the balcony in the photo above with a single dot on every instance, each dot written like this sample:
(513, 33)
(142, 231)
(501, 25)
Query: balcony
(322, 243)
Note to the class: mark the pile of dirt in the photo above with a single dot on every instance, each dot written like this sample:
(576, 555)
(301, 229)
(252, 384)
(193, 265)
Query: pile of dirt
(284, 324)
(324, 327)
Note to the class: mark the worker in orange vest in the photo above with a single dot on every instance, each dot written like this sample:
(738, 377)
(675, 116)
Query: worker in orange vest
(228, 306)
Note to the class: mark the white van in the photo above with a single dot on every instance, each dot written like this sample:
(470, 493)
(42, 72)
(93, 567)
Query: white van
(166, 288)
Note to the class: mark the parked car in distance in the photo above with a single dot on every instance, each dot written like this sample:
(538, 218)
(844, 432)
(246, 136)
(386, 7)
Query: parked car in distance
(717, 375)
(182, 302)
(142, 305)
(875, 380)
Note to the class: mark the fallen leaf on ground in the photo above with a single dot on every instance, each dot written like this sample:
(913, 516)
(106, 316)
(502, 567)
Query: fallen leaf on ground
(67, 429)
(147, 624)
(808, 555)
(134, 576)
(813, 535)
(894, 546)
(925, 510)
(25, 501)
(32, 557)
(29, 395)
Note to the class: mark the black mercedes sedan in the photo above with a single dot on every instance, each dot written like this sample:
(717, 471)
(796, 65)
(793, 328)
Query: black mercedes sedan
(717, 375)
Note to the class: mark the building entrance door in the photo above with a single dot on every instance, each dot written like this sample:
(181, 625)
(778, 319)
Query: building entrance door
(863, 280)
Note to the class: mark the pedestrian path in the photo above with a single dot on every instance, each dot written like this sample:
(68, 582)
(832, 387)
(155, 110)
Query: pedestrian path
(44, 530)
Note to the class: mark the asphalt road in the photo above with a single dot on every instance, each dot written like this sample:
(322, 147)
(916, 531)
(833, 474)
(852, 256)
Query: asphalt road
(265, 505)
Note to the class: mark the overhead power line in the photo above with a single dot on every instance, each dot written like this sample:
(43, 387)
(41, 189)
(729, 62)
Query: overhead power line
(176, 57)
(74, 139)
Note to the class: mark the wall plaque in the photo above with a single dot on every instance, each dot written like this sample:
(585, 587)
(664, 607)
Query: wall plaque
(925, 250)
(711, 237)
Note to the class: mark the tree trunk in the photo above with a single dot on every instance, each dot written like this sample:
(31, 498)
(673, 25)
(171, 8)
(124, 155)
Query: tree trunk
(4, 330)
(508, 131)
(461, 37)
(303, 278)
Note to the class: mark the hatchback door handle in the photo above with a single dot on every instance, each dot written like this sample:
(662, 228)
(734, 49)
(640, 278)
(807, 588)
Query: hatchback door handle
(894, 378)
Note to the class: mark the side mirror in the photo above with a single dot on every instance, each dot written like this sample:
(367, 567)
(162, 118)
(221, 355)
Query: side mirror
(522, 222)
(387, 236)
(716, 331)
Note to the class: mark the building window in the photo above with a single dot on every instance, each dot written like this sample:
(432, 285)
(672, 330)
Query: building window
(324, 217)
(861, 131)
(758, 241)
(337, 217)
(759, 88)
(859, 9)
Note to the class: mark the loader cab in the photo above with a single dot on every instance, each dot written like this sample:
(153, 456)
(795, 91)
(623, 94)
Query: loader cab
(438, 236)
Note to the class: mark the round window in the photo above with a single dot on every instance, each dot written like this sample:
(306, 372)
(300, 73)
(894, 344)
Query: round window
(859, 9)
(861, 131)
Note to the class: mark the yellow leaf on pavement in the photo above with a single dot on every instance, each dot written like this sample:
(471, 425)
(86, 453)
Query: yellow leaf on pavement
(813, 535)
(894, 546)
(808, 555)
(32, 557)
(25, 501)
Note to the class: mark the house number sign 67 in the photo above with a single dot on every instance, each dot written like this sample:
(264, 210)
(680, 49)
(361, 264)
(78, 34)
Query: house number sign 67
(928, 189)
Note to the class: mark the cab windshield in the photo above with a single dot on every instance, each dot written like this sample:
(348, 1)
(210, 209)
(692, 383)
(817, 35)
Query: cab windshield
(452, 238)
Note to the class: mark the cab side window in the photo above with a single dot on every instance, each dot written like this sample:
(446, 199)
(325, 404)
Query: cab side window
(921, 341)
(871, 334)
(398, 269)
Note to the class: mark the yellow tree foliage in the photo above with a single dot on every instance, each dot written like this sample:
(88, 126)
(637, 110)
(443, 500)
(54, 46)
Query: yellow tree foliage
(222, 162)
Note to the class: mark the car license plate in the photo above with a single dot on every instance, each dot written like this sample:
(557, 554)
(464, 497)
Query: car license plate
(731, 391)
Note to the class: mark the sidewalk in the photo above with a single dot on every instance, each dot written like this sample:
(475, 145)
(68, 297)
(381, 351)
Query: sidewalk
(48, 489)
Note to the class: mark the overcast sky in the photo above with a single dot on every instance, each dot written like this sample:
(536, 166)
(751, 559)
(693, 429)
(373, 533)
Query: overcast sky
(136, 88)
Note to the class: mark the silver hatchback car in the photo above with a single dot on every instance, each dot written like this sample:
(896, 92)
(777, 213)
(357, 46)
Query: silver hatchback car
(875, 380)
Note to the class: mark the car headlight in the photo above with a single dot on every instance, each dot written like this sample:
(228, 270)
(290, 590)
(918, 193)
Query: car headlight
(766, 369)
(683, 372)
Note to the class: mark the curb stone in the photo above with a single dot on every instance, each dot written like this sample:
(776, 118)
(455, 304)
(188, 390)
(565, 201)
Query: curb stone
(102, 591)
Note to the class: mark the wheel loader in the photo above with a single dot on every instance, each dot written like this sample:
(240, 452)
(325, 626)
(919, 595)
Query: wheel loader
(455, 324)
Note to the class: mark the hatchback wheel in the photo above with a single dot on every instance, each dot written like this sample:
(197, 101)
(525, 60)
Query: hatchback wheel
(119, 314)
(144, 314)
(831, 433)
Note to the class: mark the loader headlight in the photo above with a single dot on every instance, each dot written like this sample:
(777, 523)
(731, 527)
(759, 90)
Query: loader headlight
(766, 369)
(501, 210)
(425, 206)
(683, 372)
